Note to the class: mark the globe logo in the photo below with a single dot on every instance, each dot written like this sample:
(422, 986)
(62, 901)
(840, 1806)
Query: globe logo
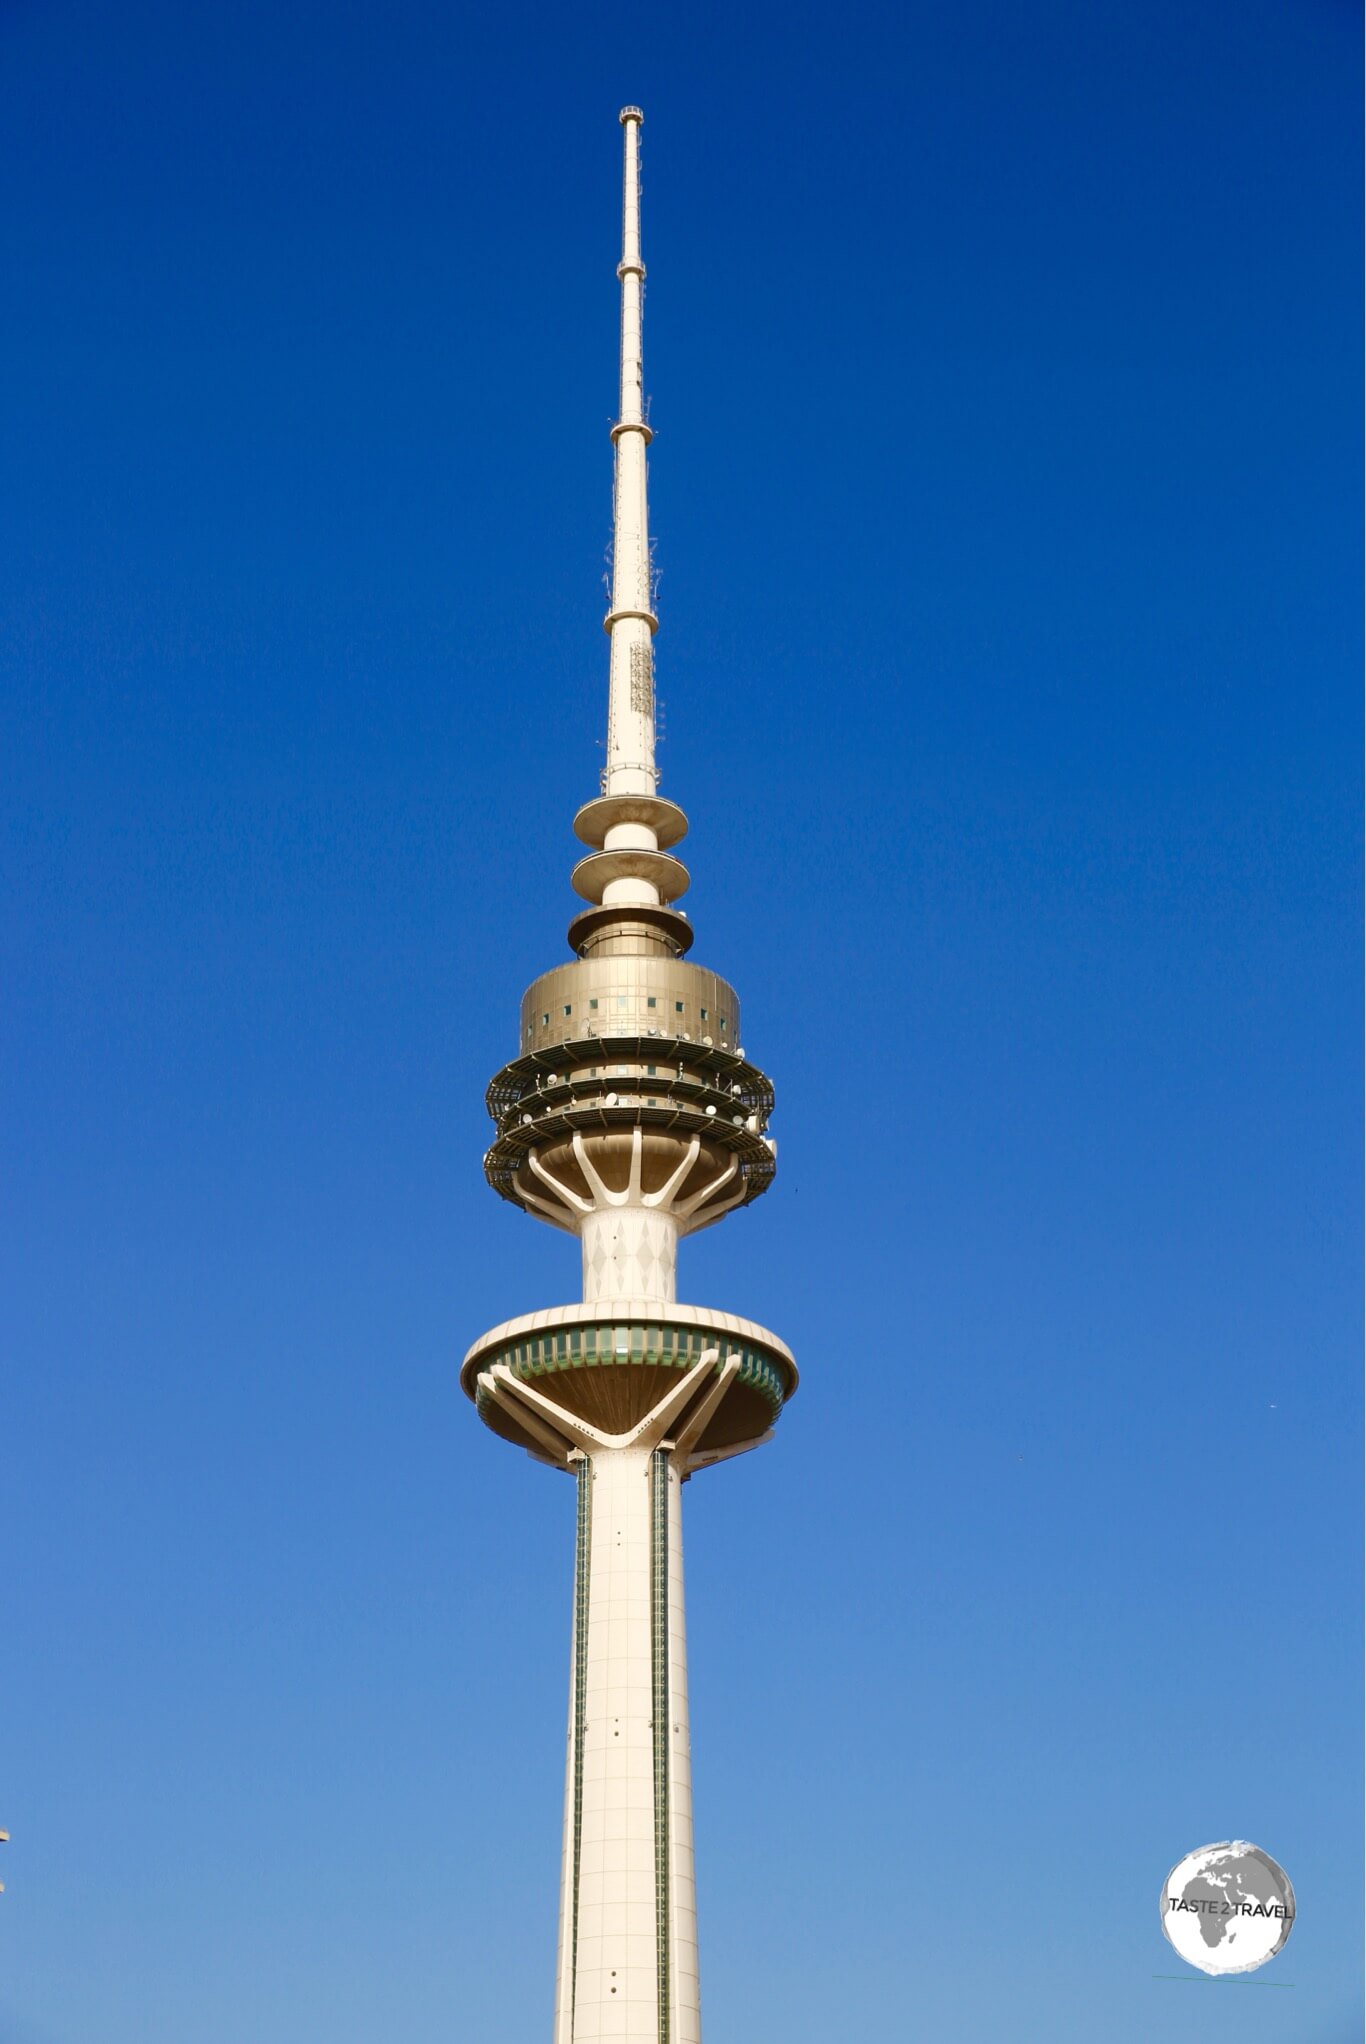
(1227, 1908)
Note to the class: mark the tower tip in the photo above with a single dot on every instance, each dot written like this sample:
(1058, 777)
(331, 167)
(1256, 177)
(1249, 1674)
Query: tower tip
(630, 113)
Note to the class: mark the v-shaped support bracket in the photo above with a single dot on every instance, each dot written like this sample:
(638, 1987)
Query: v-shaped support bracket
(677, 1420)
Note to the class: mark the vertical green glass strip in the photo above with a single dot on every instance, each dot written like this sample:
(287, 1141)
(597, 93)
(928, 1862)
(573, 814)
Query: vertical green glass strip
(583, 1533)
(659, 1717)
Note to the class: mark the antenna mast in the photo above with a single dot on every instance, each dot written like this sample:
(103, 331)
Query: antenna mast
(631, 622)
(630, 879)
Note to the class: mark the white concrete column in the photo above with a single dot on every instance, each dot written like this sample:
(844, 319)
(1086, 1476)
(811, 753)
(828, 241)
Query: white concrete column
(617, 1989)
(635, 1859)
(566, 1960)
(685, 1992)
(629, 1252)
(564, 1957)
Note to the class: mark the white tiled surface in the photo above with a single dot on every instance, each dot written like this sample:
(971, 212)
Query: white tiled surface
(629, 1251)
(564, 2032)
(686, 2010)
(616, 1991)
(617, 1988)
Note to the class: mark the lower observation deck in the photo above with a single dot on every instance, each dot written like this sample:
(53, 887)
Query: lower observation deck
(602, 1361)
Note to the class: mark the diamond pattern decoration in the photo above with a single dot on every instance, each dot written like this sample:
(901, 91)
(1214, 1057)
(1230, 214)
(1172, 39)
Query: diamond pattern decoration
(628, 1253)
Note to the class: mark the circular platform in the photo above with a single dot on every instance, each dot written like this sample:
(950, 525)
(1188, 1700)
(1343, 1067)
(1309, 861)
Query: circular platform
(601, 1360)
(660, 870)
(596, 818)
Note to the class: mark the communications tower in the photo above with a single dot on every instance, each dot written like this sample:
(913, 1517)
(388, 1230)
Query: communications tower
(630, 1116)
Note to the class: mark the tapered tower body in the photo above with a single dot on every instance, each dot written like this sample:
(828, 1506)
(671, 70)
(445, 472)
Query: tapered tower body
(630, 1117)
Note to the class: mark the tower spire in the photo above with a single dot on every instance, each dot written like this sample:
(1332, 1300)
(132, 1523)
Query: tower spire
(631, 621)
(630, 880)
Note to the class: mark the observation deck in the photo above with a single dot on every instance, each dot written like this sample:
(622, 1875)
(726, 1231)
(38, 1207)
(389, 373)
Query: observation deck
(609, 1362)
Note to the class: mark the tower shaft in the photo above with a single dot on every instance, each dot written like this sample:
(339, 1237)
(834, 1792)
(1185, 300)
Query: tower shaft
(628, 1917)
(627, 1968)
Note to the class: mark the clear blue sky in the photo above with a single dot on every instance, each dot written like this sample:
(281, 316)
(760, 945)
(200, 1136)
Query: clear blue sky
(1005, 372)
